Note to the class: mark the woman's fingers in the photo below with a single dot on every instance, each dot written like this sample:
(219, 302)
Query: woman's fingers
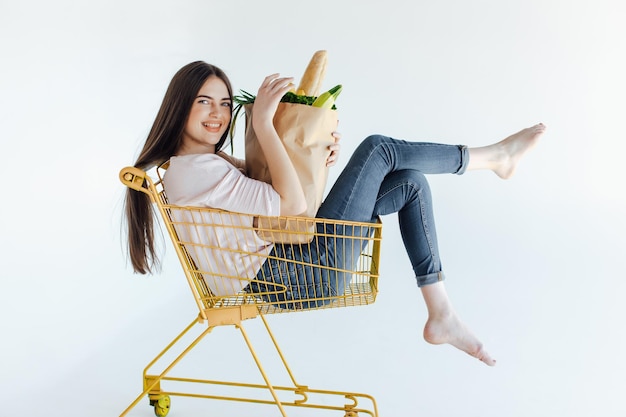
(269, 79)
(334, 151)
(283, 85)
(331, 160)
(272, 89)
(275, 83)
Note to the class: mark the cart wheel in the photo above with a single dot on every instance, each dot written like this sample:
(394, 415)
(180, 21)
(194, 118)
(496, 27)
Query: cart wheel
(161, 405)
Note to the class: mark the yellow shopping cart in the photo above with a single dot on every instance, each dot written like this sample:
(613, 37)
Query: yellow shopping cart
(226, 295)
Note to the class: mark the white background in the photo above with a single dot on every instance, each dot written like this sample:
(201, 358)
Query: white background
(535, 265)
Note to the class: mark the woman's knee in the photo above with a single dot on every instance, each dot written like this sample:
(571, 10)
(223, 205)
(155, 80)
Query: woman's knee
(412, 178)
(373, 141)
(373, 144)
(417, 179)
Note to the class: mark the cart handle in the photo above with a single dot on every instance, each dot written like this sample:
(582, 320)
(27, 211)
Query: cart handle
(136, 179)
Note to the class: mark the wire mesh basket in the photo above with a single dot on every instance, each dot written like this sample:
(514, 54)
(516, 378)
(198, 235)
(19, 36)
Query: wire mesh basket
(224, 258)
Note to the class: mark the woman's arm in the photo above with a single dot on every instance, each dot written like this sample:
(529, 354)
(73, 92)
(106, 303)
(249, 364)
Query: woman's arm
(284, 177)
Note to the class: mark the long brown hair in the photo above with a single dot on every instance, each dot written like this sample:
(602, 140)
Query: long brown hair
(163, 141)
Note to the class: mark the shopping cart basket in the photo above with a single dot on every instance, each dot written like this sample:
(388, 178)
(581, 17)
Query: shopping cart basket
(208, 240)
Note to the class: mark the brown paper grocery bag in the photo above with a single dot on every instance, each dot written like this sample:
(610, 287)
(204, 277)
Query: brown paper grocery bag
(306, 132)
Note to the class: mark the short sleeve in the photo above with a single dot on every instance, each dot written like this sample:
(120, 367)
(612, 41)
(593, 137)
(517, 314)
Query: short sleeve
(208, 180)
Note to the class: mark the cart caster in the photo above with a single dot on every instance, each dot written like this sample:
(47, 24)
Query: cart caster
(161, 405)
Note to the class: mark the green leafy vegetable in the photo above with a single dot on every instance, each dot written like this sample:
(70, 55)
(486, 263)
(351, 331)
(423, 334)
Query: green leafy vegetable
(289, 97)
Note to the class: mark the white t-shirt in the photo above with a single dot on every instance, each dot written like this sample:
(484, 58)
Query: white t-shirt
(224, 254)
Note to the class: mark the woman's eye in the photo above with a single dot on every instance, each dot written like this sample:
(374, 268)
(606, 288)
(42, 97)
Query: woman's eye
(203, 101)
(226, 104)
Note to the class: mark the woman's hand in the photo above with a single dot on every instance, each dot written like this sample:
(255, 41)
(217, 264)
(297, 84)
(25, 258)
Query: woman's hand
(334, 150)
(266, 102)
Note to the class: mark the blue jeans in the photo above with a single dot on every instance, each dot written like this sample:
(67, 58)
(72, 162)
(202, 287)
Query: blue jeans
(383, 176)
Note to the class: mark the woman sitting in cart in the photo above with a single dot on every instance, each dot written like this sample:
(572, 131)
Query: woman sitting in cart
(383, 176)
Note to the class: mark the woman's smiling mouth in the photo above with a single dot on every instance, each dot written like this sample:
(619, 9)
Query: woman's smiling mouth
(212, 126)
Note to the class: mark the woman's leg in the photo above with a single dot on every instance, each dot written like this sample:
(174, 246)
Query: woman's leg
(407, 193)
(353, 195)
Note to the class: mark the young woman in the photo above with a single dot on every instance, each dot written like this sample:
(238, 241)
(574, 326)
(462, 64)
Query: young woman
(383, 176)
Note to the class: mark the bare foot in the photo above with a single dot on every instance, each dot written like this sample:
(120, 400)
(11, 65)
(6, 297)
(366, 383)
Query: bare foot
(502, 157)
(449, 329)
(511, 149)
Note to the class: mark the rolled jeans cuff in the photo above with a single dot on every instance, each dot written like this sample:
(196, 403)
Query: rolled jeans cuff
(464, 159)
(430, 278)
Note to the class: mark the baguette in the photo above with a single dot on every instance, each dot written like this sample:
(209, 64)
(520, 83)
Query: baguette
(311, 82)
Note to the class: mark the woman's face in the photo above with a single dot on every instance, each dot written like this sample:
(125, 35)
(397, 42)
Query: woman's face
(208, 119)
